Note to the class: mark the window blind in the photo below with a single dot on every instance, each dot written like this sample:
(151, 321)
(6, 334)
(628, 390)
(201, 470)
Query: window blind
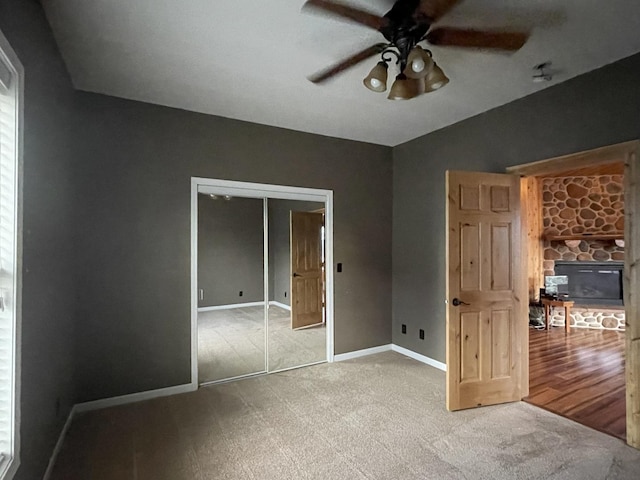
(8, 217)
(5, 78)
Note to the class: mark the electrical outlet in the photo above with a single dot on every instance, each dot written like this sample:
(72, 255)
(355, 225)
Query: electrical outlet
(421, 334)
(404, 328)
(201, 294)
(240, 294)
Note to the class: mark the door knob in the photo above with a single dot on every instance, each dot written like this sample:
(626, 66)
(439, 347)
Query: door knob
(457, 302)
(297, 275)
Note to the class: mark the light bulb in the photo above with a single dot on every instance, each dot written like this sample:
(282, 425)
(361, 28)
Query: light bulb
(417, 65)
(375, 83)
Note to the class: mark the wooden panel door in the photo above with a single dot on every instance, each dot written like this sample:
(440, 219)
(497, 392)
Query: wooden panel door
(306, 269)
(487, 310)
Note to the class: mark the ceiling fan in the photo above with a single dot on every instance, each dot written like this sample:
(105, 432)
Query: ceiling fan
(405, 26)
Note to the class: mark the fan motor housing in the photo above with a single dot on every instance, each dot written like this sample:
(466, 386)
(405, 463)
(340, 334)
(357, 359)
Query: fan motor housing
(404, 28)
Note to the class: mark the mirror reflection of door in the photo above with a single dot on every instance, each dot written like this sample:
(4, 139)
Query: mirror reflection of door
(231, 310)
(297, 332)
(306, 269)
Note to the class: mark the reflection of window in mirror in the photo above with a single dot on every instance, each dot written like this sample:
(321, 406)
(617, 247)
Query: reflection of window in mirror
(322, 235)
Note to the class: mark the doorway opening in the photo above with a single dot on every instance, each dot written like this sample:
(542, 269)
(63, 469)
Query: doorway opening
(488, 343)
(575, 217)
(262, 300)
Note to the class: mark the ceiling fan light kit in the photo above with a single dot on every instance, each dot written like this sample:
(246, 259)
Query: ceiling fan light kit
(408, 23)
(213, 196)
(542, 74)
(420, 75)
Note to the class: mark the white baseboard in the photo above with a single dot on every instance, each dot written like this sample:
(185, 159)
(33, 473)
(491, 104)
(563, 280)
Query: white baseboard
(240, 305)
(396, 348)
(278, 304)
(230, 306)
(361, 353)
(134, 397)
(421, 358)
(58, 447)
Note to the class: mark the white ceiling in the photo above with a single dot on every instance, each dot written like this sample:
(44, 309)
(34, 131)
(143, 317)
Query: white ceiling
(248, 59)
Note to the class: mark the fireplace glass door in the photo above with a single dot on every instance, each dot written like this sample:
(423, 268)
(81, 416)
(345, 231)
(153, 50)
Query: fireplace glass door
(593, 283)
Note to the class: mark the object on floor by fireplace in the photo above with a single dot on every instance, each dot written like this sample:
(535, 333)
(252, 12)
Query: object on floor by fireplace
(536, 316)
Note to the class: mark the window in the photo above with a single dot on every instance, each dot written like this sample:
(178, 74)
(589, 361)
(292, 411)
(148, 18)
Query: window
(11, 75)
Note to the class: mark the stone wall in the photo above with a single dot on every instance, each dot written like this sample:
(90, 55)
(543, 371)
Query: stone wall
(600, 319)
(578, 205)
(580, 250)
(582, 205)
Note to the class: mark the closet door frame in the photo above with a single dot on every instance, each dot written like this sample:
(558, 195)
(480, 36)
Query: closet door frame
(259, 191)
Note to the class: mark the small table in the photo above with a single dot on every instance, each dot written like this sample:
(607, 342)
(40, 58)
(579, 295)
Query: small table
(567, 304)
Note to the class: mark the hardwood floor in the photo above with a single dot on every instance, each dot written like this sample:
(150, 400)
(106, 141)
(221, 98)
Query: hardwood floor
(579, 376)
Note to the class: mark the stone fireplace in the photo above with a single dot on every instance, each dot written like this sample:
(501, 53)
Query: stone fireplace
(583, 219)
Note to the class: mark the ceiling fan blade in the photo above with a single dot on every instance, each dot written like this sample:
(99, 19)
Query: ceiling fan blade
(434, 9)
(345, 11)
(462, 37)
(353, 60)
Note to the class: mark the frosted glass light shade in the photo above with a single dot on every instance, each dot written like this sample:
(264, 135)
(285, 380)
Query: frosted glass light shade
(376, 81)
(419, 63)
(405, 88)
(436, 79)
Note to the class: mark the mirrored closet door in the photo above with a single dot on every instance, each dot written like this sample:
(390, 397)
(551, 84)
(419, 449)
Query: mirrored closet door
(261, 285)
(296, 323)
(231, 307)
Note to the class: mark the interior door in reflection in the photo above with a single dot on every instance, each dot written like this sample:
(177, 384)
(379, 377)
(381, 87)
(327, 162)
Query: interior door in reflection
(297, 330)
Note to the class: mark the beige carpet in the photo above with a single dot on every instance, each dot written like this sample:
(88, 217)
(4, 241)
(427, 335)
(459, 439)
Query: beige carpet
(231, 343)
(377, 417)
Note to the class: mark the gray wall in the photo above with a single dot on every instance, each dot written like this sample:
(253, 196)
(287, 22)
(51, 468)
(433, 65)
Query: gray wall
(279, 245)
(134, 213)
(230, 250)
(48, 363)
(107, 214)
(106, 243)
(593, 110)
